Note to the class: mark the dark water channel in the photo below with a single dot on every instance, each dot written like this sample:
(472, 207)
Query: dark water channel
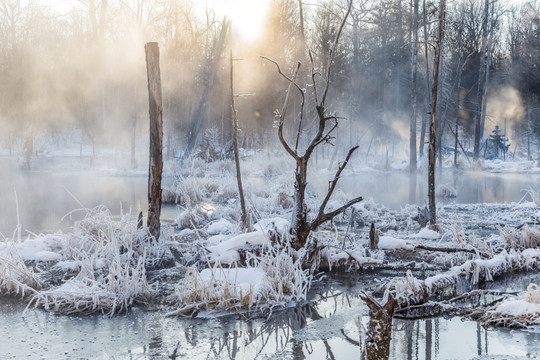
(323, 329)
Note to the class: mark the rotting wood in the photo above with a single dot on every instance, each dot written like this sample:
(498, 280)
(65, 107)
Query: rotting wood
(379, 333)
(156, 138)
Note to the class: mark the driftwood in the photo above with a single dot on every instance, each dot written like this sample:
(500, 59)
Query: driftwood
(451, 250)
(447, 307)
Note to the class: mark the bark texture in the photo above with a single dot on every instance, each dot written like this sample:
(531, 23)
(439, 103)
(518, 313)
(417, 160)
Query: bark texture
(156, 138)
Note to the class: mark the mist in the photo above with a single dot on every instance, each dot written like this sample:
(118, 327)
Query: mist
(74, 74)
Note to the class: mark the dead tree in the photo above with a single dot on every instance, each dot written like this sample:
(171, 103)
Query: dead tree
(379, 332)
(156, 138)
(301, 227)
(433, 126)
(243, 217)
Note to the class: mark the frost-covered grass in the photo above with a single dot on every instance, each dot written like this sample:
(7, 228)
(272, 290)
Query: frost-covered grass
(274, 278)
(15, 277)
(101, 262)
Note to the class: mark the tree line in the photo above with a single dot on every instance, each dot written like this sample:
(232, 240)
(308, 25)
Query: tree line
(83, 69)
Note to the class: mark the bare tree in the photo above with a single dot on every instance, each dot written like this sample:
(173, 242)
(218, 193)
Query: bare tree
(243, 217)
(300, 226)
(433, 126)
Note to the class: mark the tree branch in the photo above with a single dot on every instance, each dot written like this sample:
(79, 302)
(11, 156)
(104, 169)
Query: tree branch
(333, 52)
(334, 181)
(329, 216)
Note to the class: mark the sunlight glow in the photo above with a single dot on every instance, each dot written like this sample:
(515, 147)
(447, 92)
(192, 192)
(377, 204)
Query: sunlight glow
(247, 16)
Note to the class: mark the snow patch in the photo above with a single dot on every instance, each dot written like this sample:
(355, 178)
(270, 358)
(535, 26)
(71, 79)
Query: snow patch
(392, 243)
(222, 226)
(427, 233)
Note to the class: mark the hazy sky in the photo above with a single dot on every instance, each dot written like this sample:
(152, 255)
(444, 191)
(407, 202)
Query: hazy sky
(247, 16)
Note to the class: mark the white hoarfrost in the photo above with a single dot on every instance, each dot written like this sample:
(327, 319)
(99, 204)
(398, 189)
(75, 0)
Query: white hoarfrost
(104, 259)
(275, 278)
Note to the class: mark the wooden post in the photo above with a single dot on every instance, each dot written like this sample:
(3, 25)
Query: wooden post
(156, 138)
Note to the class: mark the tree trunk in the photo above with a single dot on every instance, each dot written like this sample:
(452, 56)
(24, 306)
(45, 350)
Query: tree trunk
(491, 30)
(478, 130)
(433, 126)
(427, 97)
(379, 332)
(414, 68)
(156, 138)
(243, 217)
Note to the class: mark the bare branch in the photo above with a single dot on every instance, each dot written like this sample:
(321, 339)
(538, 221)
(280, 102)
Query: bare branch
(334, 181)
(282, 117)
(329, 216)
(333, 51)
(283, 74)
(313, 73)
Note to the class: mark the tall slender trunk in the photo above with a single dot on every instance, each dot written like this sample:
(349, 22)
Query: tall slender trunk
(243, 216)
(478, 130)
(433, 126)
(414, 68)
(428, 84)
(487, 68)
(156, 138)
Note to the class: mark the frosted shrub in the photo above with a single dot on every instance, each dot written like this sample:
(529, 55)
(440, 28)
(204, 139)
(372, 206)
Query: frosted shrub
(109, 292)
(409, 289)
(110, 256)
(520, 239)
(274, 279)
(446, 191)
(533, 294)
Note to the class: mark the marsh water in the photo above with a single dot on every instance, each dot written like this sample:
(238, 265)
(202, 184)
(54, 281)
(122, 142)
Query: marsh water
(323, 328)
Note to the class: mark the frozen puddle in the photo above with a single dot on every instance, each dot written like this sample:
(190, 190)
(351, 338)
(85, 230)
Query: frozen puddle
(325, 329)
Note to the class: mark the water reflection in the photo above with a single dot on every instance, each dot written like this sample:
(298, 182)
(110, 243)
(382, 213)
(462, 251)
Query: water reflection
(322, 329)
(395, 189)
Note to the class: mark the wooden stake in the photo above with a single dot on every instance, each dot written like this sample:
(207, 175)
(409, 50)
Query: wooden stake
(156, 138)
